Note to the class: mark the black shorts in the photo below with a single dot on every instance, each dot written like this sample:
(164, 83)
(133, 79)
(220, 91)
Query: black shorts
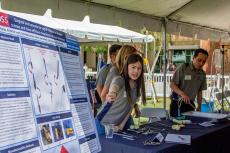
(184, 108)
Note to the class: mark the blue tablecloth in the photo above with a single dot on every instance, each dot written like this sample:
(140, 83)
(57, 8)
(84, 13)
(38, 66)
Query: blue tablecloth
(213, 139)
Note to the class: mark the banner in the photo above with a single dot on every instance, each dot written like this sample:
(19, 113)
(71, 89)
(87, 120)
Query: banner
(44, 102)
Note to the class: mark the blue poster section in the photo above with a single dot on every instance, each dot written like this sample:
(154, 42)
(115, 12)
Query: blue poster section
(69, 51)
(22, 147)
(72, 43)
(9, 38)
(78, 100)
(53, 117)
(39, 44)
(14, 94)
(30, 27)
(88, 138)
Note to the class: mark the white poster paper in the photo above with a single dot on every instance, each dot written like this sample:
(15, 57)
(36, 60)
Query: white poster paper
(41, 90)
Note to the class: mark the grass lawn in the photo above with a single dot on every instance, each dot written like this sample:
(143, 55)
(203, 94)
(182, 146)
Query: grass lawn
(160, 104)
(150, 103)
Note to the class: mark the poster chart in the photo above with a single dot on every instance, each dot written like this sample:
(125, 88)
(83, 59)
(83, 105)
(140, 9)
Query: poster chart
(79, 103)
(44, 101)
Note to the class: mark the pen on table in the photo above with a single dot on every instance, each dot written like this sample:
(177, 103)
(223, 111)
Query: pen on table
(127, 138)
(125, 135)
(181, 137)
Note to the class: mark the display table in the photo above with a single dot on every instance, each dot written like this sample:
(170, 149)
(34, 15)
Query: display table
(214, 139)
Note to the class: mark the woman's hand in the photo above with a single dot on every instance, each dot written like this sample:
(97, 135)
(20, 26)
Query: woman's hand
(112, 94)
(111, 97)
(136, 111)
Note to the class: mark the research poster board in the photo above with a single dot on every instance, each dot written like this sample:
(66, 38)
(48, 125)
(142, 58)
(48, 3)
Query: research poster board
(44, 103)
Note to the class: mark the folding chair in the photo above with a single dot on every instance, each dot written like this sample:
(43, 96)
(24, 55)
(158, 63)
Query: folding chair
(216, 90)
(227, 93)
(153, 114)
(227, 96)
(226, 103)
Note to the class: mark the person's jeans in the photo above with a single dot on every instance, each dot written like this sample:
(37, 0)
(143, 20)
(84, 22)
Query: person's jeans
(183, 108)
(129, 123)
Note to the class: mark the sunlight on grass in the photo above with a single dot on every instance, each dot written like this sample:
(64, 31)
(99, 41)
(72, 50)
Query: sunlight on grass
(150, 103)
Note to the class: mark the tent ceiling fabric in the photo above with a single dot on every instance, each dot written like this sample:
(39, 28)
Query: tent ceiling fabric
(209, 13)
(152, 7)
(206, 17)
(84, 30)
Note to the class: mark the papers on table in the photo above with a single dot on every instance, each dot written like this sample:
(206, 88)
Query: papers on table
(206, 124)
(177, 138)
(206, 115)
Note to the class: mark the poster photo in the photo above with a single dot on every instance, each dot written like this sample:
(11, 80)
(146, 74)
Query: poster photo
(45, 77)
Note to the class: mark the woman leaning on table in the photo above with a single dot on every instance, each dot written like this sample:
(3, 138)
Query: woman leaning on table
(124, 91)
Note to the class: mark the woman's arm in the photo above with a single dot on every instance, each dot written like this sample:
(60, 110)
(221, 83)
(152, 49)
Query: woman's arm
(136, 111)
(99, 89)
(104, 92)
(112, 94)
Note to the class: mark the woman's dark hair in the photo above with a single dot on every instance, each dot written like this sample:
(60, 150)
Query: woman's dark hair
(114, 48)
(133, 58)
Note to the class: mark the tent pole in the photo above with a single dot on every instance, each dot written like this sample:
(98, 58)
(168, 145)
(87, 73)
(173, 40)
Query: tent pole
(108, 55)
(149, 71)
(164, 24)
(222, 81)
(146, 48)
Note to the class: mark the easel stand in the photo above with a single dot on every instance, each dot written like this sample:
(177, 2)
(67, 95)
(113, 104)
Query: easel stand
(222, 50)
(222, 81)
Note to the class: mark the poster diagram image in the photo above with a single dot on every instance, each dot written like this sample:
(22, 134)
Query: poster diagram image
(46, 134)
(68, 128)
(57, 131)
(46, 79)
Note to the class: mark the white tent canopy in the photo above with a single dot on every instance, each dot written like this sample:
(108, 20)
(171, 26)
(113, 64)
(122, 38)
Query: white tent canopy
(84, 30)
(207, 13)
(202, 19)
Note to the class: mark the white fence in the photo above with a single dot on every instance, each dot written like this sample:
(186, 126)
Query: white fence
(213, 82)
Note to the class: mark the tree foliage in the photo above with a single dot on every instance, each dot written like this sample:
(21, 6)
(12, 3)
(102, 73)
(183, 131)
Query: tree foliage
(96, 49)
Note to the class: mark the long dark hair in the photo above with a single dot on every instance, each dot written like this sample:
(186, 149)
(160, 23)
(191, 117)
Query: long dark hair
(140, 85)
